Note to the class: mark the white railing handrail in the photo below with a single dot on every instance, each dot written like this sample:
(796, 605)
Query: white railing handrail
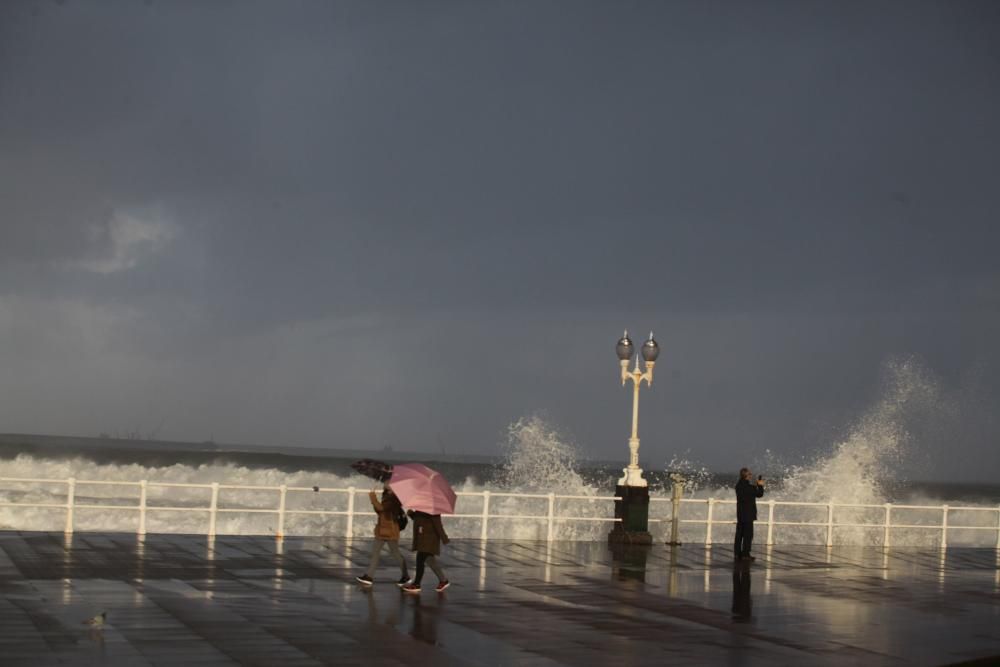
(551, 517)
(214, 509)
(830, 524)
(727, 501)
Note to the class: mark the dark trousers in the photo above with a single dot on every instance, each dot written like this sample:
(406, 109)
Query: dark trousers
(744, 538)
(423, 557)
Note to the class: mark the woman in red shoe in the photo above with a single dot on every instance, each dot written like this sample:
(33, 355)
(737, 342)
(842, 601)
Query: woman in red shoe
(428, 536)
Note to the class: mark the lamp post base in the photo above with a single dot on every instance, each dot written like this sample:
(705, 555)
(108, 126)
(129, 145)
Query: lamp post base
(627, 538)
(632, 476)
(633, 510)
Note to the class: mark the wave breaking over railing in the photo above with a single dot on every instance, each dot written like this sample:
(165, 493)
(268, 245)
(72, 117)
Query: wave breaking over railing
(539, 493)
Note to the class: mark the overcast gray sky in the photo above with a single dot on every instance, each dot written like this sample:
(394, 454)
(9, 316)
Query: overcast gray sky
(357, 224)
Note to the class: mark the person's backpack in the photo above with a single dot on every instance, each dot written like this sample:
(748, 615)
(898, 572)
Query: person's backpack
(402, 520)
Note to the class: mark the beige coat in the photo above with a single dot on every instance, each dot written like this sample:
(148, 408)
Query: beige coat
(388, 510)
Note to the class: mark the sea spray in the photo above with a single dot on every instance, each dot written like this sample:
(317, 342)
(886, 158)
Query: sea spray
(859, 466)
(539, 459)
(694, 476)
(857, 470)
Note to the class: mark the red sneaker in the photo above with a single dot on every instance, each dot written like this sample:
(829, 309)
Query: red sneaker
(413, 589)
(442, 585)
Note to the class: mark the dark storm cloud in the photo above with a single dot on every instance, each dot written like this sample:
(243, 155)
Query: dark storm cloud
(269, 199)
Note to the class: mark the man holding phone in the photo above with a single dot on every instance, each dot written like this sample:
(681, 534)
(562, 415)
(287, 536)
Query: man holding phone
(747, 494)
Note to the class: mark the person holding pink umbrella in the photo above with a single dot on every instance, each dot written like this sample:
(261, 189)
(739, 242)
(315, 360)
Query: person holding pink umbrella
(427, 495)
(428, 536)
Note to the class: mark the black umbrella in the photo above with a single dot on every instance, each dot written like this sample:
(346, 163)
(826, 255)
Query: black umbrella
(377, 470)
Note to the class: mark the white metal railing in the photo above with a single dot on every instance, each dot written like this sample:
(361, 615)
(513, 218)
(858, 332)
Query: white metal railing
(550, 519)
(830, 525)
(281, 511)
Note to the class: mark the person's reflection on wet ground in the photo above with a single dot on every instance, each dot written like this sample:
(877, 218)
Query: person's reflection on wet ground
(424, 625)
(742, 602)
(96, 635)
(391, 617)
(372, 606)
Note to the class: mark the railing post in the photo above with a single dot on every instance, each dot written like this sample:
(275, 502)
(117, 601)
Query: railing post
(675, 512)
(998, 527)
(944, 526)
(213, 509)
(70, 500)
(486, 515)
(142, 506)
(350, 512)
(552, 510)
(708, 524)
(829, 525)
(283, 492)
(888, 524)
(770, 522)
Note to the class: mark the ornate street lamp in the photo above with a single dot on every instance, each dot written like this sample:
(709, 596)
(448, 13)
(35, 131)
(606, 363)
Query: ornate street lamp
(650, 351)
(633, 508)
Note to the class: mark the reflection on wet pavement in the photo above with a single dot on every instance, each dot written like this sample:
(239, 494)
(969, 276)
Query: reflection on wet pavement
(186, 600)
(742, 602)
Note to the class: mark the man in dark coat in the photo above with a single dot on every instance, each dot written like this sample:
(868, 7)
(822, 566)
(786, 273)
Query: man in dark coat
(747, 494)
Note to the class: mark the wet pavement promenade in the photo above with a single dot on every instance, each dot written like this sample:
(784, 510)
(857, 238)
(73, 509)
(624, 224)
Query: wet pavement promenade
(185, 600)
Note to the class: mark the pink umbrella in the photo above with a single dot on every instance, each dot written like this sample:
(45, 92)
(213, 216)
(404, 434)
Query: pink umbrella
(421, 489)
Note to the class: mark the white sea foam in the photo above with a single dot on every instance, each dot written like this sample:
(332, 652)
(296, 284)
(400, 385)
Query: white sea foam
(539, 461)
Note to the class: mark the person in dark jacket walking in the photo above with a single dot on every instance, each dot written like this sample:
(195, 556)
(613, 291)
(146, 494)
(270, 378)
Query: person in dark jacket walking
(428, 536)
(386, 533)
(747, 494)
